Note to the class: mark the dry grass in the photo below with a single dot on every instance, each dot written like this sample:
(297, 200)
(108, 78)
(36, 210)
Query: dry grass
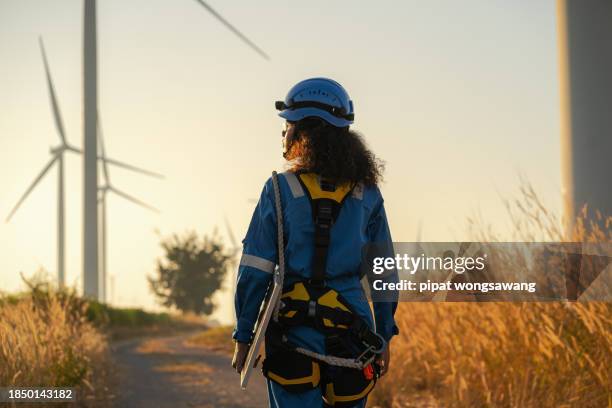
(502, 355)
(506, 354)
(217, 339)
(45, 340)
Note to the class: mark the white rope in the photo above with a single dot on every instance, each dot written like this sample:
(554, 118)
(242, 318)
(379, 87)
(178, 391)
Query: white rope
(332, 360)
(280, 273)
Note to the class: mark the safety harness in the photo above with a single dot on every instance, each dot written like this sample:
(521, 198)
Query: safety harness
(346, 372)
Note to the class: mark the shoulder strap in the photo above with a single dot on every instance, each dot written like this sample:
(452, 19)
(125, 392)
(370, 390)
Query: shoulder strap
(326, 199)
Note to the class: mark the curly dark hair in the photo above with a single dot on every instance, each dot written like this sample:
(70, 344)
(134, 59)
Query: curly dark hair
(337, 154)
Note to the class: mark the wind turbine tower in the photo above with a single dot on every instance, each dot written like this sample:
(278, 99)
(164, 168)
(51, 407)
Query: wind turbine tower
(90, 152)
(90, 108)
(585, 61)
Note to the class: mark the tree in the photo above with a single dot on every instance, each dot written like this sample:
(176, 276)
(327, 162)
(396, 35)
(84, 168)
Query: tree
(190, 272)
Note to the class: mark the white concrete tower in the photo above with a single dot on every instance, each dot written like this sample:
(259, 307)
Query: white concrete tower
(585, 60)
(90, 154)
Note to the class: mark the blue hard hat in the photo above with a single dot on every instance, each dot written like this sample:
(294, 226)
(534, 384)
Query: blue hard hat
(320, 97)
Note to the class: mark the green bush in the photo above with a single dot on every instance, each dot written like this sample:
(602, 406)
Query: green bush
(105, 315)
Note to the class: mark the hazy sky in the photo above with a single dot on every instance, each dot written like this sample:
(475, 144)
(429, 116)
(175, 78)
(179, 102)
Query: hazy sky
(459, 98)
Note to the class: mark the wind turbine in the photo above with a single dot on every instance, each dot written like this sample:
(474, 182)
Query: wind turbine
(235, 250)
(57, 154)
(57, 157)
(90, 109)
(104, 189)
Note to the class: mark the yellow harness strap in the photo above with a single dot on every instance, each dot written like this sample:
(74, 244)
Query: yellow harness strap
(312, 183)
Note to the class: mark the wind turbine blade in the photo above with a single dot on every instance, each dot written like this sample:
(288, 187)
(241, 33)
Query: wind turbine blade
(57, 117)
(74, 149)
(118, 163)
(234, 30)
(29, 190)
(132, 199)
(130, 167)
(102, 151)
(231, 236)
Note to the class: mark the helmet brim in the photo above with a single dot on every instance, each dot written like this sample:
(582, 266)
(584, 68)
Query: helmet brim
(298, 114)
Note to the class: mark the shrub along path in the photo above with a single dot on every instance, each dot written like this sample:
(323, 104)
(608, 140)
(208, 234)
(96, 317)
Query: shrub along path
(173, 372)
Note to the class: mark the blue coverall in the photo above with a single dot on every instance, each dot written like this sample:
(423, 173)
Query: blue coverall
(361, 220)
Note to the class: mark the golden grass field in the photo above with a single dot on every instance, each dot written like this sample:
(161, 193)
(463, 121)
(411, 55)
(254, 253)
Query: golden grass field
(55, 338)
(553, 354)
(500, 355)
(45, 340)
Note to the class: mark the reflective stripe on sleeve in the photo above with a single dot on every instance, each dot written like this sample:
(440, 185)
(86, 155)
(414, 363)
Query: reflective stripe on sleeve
(257, 262)
(294, 184)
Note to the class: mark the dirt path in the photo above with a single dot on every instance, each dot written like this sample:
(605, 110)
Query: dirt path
(168, 372)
